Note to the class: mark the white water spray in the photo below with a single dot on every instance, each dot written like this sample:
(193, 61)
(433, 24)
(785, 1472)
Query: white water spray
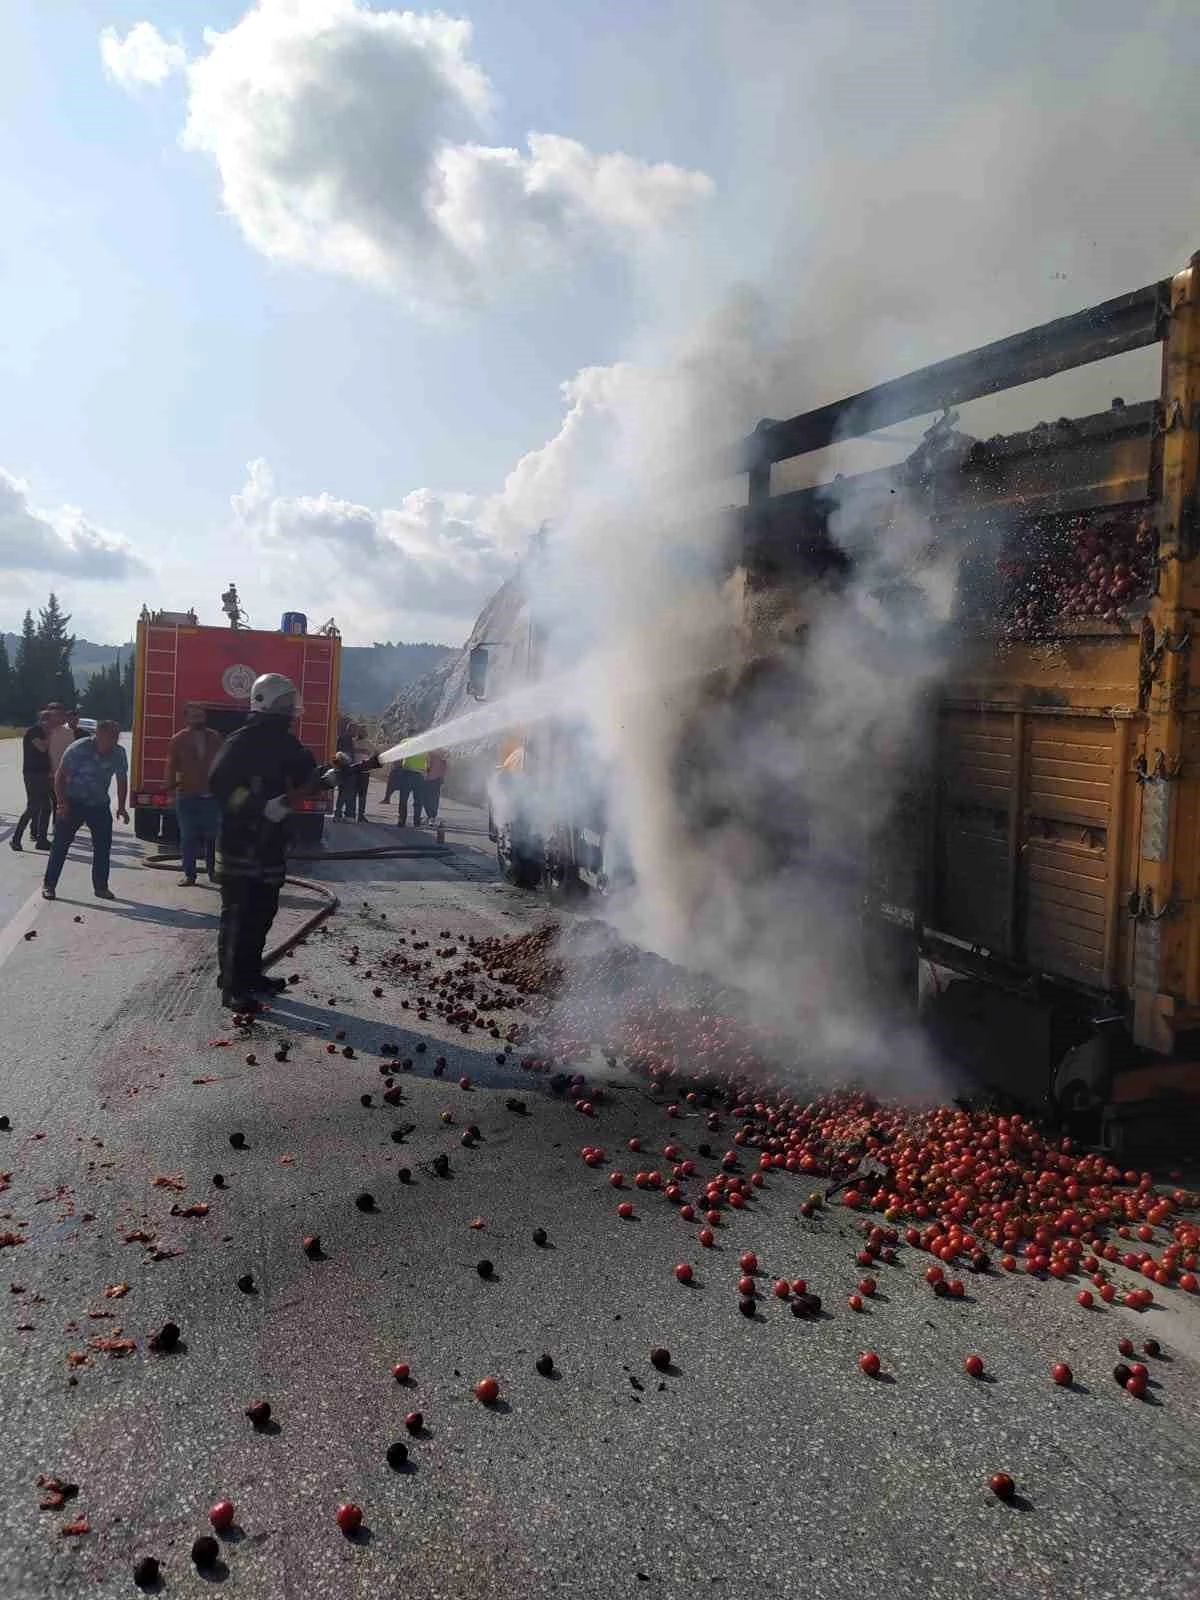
(522, 708)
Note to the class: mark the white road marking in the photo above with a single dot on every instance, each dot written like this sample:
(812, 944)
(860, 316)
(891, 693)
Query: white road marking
(19, 924)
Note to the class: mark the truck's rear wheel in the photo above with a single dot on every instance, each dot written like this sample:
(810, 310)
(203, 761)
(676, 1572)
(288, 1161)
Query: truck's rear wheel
(147, 823)
(517, 868)
(560, 880)
(308, 827)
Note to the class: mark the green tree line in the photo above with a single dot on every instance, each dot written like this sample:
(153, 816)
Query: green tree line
(40, 671)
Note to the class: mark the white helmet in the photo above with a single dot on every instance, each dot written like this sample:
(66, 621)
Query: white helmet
(272, 692)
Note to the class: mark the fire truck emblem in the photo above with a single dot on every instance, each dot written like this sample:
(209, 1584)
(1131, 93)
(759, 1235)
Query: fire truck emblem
(238, 681)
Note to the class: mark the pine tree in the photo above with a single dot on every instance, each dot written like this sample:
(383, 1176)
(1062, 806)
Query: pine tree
(125, 714)
(55, 645)
(27, 698)
(101, 696)
(6, 684)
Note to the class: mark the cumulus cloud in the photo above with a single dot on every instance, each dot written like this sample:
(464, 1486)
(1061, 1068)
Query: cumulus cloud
(350, 140)
(437, 552)
(62, 541)
(143, 57)
(430, 553)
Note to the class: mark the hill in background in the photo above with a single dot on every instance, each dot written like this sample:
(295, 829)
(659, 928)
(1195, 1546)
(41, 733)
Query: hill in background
(373, 675)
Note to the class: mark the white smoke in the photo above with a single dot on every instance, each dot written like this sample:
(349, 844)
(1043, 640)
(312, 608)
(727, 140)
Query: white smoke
(438, 552)
(744, 793)
(966, 193)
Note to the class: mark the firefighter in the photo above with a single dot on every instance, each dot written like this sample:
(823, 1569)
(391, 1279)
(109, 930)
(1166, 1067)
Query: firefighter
(260, 771)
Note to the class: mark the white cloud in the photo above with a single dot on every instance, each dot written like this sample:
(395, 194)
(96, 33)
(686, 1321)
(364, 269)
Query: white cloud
(62, 541)
(440, 553)
(430, 553)
(348, 140)
(142, 57)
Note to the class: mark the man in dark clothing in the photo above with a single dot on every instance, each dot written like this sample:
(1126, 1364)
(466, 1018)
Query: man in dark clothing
(38, 773)
(343, 810)
(262, 768)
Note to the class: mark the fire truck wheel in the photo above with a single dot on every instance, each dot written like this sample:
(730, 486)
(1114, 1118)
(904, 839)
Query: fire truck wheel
(146, 823)
(308, 828)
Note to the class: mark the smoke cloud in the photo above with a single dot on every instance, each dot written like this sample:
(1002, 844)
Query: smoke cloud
(749, 797)
(439, 552)
(744, 775)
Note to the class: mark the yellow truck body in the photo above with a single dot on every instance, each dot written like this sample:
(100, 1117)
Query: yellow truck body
(1054, 847)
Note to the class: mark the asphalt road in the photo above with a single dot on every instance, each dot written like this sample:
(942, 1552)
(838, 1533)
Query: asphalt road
(763, 1462)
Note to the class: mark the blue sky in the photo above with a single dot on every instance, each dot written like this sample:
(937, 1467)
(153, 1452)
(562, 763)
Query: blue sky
(153, 354)
(151, 349)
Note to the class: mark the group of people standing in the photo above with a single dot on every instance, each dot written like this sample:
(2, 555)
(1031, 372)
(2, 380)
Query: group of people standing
(68, 772)
(233, 798)
(351, 801)
(416, 779)
(419, 779)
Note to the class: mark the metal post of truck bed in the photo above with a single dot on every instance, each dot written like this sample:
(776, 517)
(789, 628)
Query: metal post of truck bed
(1166, 938)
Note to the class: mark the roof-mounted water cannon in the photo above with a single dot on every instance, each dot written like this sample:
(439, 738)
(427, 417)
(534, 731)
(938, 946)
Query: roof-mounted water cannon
(232, 607)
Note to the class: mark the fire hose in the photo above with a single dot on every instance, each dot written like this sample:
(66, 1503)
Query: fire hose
(384, 852)
(169, 858)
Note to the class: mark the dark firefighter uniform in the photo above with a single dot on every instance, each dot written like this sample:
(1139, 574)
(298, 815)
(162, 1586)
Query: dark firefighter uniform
(261, 763)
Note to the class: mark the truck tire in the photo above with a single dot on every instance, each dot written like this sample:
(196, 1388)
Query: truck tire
(308, 828)
(560, 880)
(517, 868)
(147, 824)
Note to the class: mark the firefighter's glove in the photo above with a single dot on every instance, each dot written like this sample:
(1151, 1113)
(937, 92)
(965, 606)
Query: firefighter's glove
(330, 778)
(276, 809)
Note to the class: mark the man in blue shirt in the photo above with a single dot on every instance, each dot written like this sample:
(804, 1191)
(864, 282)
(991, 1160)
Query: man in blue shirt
(81, 787)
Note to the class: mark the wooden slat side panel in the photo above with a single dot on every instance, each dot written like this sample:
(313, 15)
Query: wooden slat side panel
(976, 760)
(1086, 922)
(1071, 771)
(976, 771)
(1084, 872)
(1065, 860)
(973, 886)
(1065, 906)
(1079, 733)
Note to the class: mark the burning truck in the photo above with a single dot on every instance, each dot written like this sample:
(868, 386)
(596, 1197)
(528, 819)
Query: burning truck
(1034, 879)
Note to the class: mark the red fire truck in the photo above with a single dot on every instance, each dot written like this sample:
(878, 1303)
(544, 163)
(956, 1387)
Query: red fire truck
(180, 662)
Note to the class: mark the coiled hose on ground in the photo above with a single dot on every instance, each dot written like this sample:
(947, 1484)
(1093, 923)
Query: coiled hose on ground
(165, 859)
